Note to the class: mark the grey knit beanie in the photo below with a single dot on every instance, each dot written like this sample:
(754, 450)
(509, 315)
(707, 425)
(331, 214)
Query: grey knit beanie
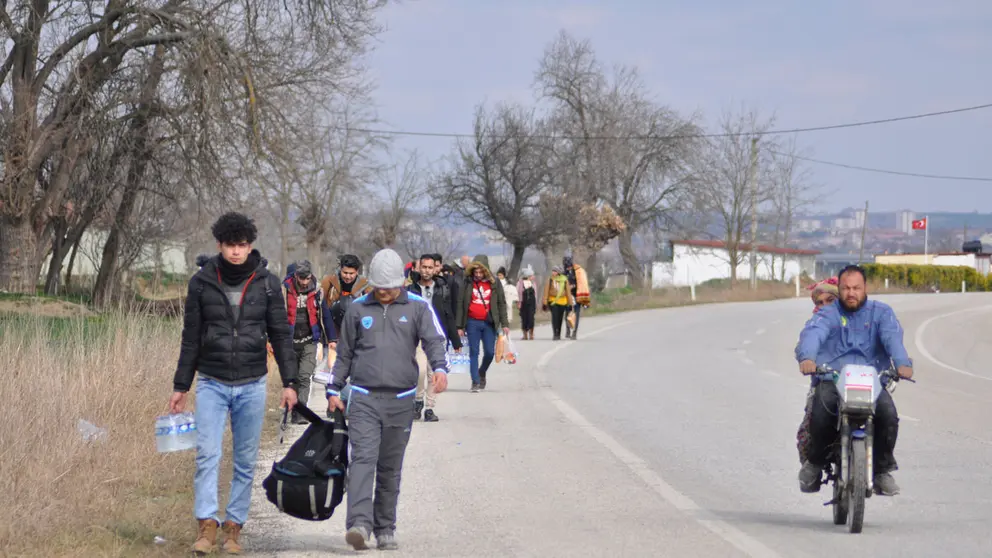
(386, 270)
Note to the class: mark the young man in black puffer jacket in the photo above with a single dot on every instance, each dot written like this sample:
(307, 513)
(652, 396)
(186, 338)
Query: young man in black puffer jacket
(233, 307)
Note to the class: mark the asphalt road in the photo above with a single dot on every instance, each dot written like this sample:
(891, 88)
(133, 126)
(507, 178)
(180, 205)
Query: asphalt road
(672, 433)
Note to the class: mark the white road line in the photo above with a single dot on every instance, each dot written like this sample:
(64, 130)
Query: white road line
(909, 418)
(771, 373)
(739, 539)
(918, 340)
(746, 342)
(747, 361)
(760, 332)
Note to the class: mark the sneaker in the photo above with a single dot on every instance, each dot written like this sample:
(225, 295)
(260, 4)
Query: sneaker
(429, 416)
(809, 478)
(358, 538)
(418, 408)
(482, 383)
(387, 541)
(475, 388)
(206, 538)
(231, 533)
(885, 484)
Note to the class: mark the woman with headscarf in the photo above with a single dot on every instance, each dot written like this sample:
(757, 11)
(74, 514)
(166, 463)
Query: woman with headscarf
(557, 298)
(527, 301)
(823, 294)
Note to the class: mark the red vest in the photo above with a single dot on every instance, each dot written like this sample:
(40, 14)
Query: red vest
(291, 302)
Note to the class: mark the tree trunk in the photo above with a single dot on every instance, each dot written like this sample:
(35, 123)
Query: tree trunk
(140, 135)
(630, 261)
(516, 261)
(72, 259)
(60, 248)
(157, 275)
(284, 235)
(18, 252)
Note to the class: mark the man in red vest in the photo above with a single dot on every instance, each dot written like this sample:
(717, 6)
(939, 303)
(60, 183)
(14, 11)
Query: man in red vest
(308, 325)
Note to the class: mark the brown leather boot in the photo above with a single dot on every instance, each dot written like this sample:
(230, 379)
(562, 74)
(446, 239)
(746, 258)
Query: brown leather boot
(206, 538)
(231, 533)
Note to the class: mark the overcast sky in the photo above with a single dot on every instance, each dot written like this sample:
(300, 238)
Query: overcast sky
(812, 63)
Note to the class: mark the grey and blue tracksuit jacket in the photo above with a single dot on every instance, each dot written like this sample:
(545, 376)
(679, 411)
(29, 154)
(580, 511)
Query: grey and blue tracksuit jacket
(377, 345)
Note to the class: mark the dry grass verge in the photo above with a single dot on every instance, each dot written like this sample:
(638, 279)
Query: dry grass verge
(67, 497)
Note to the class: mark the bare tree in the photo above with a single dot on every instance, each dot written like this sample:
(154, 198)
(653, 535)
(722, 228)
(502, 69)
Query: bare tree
(429, 236)
(341, 162)
(620, 147)
(793, 192)
(218, 66)
(497, 179)
(401, 190)
(723, 190)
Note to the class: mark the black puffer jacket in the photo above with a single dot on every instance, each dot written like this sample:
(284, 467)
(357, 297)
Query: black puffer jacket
(213, 344)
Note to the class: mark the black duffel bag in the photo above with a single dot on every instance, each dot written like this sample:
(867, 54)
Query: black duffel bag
(309, 482)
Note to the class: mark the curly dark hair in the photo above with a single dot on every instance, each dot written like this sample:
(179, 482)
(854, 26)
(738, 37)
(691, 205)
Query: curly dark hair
(234, 227)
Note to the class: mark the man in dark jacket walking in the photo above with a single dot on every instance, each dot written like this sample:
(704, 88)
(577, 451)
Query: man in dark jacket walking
(233, 304)
(481, 317)
(310, 322)
(436, 291)
(377, 344)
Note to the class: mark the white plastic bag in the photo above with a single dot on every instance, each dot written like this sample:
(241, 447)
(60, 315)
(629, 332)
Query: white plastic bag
(510, 354)
(322, 373)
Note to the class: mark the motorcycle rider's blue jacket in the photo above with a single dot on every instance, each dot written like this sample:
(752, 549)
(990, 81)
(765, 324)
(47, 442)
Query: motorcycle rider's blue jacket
(836, 337)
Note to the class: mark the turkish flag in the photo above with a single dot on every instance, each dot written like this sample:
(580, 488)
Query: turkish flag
(920, 224)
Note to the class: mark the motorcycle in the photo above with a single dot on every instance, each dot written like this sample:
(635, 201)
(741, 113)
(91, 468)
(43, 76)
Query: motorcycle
(850, 469)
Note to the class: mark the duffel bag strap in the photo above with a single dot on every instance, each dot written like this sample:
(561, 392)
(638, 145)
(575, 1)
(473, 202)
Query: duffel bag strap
(283, 426)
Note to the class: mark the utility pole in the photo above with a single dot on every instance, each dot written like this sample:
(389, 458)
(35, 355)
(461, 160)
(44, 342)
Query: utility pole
(864, 227)
(753, 178)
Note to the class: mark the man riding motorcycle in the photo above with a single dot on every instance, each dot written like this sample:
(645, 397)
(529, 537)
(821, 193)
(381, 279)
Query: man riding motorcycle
(853, 330)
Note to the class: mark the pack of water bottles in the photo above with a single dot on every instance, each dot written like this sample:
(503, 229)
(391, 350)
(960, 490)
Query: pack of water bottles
(175, 432)
(458, 363)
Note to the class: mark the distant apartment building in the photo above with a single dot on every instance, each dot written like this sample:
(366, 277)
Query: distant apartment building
(809, 225)
(846, 223)
(904, 221)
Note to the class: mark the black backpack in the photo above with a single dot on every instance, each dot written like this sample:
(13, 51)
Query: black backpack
(310, 481)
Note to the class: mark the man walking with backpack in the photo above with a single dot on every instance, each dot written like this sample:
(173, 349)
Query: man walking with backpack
(377, 345)
(436, 291)
(308, 320)
(232, 305)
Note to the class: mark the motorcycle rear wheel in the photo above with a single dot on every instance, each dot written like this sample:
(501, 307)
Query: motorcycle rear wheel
(858, 488)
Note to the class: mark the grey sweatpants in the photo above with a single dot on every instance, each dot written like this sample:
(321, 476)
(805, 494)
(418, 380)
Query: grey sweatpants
(379, 428)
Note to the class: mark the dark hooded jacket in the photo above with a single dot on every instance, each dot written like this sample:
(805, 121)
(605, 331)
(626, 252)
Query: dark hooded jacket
(216, 344)
(497, 305)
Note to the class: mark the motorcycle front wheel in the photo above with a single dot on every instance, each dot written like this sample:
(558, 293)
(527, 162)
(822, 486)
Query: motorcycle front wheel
(841, 502)
(858, 487)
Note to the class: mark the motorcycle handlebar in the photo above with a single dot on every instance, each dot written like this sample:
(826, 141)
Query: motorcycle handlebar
(825, 372)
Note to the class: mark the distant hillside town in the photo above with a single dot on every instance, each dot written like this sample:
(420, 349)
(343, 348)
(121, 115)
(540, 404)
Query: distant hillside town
(891, 232)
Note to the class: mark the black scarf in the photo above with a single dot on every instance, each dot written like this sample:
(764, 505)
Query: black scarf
(232, 274)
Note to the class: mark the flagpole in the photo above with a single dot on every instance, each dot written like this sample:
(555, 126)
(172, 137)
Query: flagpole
(926, 239)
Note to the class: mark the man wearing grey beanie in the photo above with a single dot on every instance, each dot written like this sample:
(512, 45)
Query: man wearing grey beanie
(377, 346)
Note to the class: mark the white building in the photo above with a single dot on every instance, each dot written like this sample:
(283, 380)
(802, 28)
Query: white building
(904, 221)
(691, 262)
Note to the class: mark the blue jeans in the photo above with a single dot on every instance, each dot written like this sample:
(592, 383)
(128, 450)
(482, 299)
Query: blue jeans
(478, 330)
(246, 406)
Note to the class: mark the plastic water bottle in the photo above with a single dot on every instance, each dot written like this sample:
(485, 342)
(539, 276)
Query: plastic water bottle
(175, 432)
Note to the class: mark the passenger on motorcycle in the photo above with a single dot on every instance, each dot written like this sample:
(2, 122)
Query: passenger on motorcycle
(855, 330)
(823, 294)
